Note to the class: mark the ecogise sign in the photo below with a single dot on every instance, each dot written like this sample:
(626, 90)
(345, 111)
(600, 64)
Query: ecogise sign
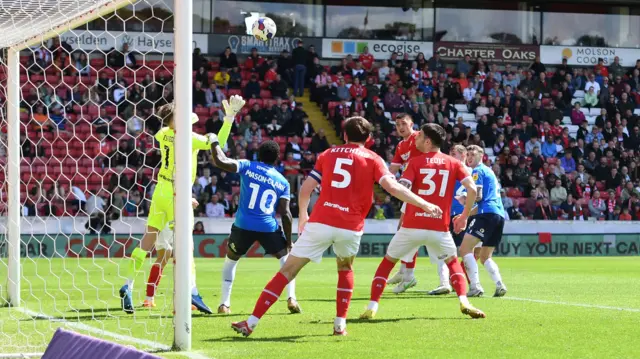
(339, 48)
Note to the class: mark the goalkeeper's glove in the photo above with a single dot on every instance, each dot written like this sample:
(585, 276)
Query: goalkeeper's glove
(232, 107)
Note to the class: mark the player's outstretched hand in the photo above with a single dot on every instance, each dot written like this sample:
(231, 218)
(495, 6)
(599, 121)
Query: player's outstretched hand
(194, 203)
(232, 107)
(431, 209)
(459, 223)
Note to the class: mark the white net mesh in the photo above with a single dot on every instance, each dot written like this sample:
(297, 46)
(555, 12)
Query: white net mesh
(88, 163)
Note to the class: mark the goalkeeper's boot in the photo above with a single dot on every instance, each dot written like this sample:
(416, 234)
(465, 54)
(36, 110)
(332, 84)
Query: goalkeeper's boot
(501, 290)
(242, 328)
(472, 311)
(223, 309)
(397, 278)
(368, 314)
(403, 286)
(196, 300)
(125, 299)
(293, 306)
(441, 290)
(149, 303)
(475, 292)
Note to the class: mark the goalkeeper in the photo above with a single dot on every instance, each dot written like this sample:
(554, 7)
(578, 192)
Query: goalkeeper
(161, 212)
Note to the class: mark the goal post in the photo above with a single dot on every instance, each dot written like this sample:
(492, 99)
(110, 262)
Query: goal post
(59, 288)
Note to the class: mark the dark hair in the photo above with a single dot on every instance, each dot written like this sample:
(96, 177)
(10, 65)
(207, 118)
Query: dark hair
(269, 152)
(165, 113)
(403, 115)
(435, 133)
(357, 129)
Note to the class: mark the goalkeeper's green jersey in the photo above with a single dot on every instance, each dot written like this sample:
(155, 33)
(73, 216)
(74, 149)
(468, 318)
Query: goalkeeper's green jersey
(166, 138)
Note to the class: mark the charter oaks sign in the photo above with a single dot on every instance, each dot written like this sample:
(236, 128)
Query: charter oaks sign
(160, 42)
(492, 53)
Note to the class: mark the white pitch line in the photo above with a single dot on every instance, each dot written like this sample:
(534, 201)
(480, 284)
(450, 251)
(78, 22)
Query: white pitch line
(594, 306)
(106, 333)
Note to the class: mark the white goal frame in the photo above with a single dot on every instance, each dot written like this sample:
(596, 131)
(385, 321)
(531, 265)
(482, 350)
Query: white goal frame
(183, 35)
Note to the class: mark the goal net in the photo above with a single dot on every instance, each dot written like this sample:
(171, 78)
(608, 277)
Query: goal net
(77, 169)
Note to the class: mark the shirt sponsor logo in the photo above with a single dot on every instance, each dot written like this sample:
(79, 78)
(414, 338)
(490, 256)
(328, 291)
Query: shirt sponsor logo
(427, 215)
(336, 206)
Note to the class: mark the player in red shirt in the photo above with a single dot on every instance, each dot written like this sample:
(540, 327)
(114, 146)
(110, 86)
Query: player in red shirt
(366, 59)
(347, 174)
(432, 176)
(405, 151)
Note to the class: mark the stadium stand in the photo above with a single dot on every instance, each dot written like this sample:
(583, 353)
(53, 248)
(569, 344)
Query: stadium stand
(88, 124)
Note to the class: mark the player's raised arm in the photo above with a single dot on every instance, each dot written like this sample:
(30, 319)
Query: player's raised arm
(404, 194)
(219, 159)
(231, 109)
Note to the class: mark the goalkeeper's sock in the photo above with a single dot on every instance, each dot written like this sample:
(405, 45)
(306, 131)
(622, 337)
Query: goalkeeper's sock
(137, 260)
(344, 293)
(228, 275)
(493, 270)
(155, 274)
(457, 280)
(291, 287)
(472, 270)
(269, 295)
(379, 282)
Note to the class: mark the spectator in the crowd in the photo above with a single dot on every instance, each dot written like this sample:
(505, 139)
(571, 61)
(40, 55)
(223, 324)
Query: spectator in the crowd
(567, 162)
(293, 147)
(558, 194)
(597, 206)
(214, 96)
(570, 209)
(383, 70)
(252, 88)
(292, 171)
(199, 95)
(279, 88)
(531, 144)
(544, 211)
(319, 142)
(299, 59)
(253, 133)
(222, 78)
(228, 59)
(549, 148)
(590, 99)
(392, 101)
(214, 208)
(537, 67)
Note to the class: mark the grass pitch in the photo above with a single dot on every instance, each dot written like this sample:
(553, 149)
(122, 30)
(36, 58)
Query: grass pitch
(584, 307)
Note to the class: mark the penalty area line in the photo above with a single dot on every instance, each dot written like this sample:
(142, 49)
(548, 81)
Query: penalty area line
(592, 306)
(106, 333)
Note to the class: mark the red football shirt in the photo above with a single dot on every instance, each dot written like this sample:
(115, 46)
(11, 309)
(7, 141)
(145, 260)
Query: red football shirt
(367, 61)
(406, 150)
(433, 176)
(347, 174)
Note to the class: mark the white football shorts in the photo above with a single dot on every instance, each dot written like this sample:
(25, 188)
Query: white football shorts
(316, 238)
(406, 242)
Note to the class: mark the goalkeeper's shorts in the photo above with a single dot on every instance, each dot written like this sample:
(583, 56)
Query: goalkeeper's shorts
(161, 210)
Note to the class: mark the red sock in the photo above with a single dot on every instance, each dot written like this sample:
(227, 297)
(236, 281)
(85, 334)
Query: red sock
(270, 294)
(380, 279)
(154, 280)
(456, 277)
(411, 264)
(464, 270)
(344, 293)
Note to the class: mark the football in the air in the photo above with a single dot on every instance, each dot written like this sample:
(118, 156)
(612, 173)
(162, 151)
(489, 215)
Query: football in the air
(264, 29)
